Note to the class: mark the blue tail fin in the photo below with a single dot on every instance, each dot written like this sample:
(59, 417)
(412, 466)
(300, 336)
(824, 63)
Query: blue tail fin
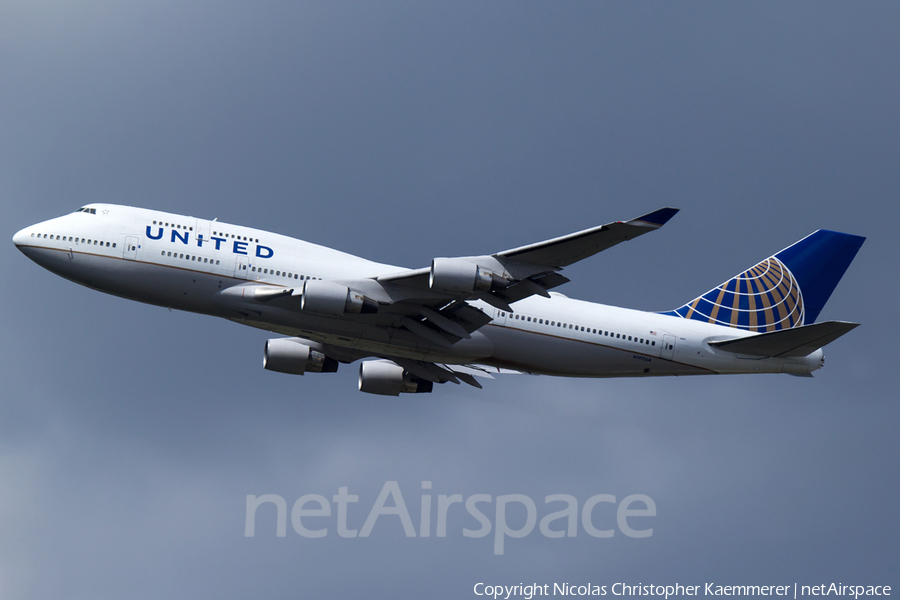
(783, 291)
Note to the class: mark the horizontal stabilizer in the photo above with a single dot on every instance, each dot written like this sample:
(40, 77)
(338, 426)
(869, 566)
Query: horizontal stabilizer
(798, 341)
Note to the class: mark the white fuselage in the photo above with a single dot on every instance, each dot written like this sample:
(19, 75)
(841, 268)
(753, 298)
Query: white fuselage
(203, 266)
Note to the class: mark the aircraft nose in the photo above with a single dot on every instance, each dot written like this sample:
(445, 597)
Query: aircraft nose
(20, 238)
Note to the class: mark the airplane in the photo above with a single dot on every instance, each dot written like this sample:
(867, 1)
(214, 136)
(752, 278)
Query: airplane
(460, 318)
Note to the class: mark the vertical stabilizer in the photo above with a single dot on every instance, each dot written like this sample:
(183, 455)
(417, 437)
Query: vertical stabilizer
(786, 290)
(818, 261)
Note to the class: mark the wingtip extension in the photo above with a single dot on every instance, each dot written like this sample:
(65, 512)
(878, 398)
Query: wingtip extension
(657, 218)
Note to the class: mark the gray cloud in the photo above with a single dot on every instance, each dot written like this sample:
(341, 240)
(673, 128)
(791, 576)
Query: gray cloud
(130, 436)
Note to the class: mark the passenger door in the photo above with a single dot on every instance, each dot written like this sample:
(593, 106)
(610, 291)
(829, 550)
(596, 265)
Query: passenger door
(131, 247)
(668, 349)
(240, 267)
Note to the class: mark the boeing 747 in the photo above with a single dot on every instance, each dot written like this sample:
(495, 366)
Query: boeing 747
(459, 318)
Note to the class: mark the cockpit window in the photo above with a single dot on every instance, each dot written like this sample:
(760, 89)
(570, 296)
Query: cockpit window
(85, 209)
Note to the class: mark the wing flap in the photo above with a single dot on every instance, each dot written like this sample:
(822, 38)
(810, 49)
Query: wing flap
(528, 287)
(442, 373)
(797, 341)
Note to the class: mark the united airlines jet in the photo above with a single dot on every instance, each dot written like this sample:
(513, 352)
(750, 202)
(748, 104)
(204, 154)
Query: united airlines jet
(459, 318)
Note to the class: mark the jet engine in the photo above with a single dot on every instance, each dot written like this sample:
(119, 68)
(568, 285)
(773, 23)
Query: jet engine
(330, 298)
(289, 355)
(458, 276)
(388, 379)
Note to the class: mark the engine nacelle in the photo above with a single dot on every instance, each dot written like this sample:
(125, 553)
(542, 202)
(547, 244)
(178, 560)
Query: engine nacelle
(388, 379)
(289, 355)
(458, 276)
(329, 298)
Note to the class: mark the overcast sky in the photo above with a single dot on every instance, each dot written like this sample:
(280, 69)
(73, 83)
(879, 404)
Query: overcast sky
(130, 436)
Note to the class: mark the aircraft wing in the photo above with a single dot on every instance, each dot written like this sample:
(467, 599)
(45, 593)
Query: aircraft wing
(433, 303)
(563, 251)
(532, 269)
(442, 373)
